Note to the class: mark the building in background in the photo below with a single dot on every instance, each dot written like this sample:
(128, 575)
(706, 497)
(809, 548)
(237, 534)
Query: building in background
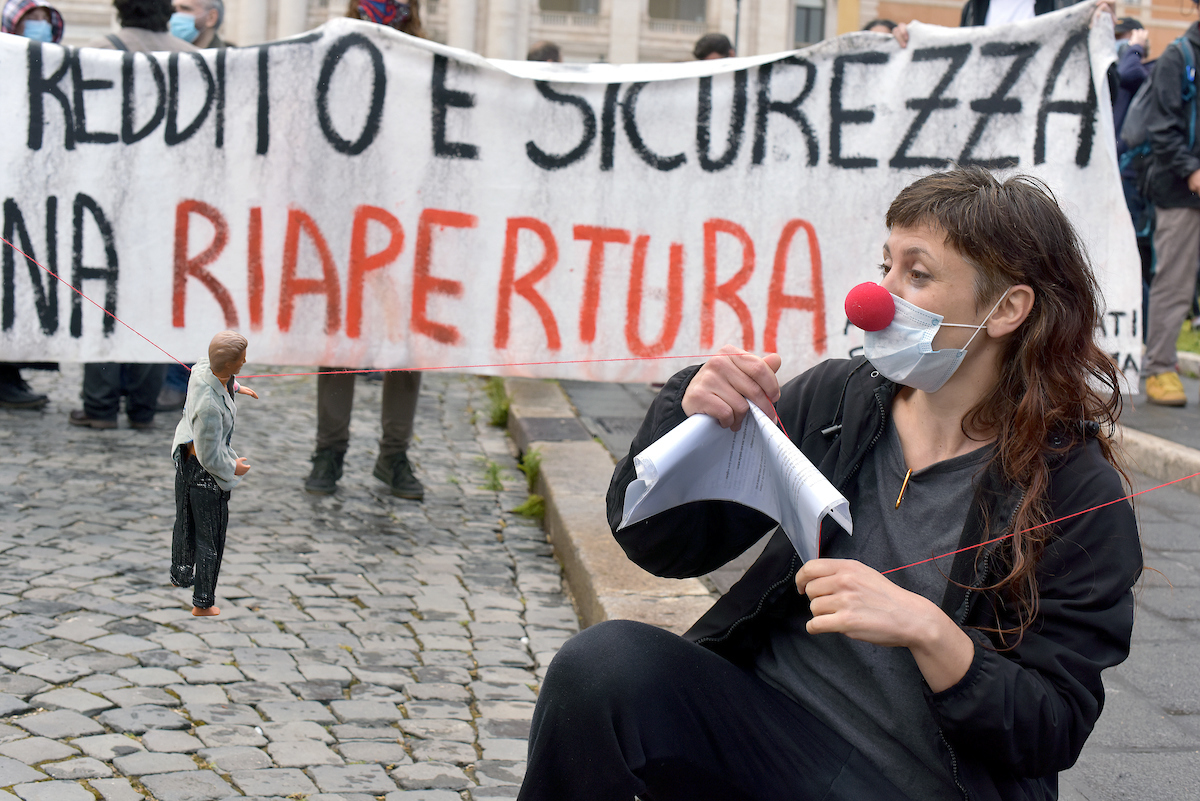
(616, 31)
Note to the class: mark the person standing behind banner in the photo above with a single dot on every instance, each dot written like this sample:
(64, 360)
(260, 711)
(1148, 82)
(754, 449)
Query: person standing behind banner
(713, 45)
(197, 21)
(544, 51)
(335, 391)
(998, 12)
(404, 17)
(33, 19)
(978, 13)
(1127, 75)
(1171, 182)
(41, 22)
(143, 30)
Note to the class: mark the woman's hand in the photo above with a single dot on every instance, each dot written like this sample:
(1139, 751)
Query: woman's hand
(244, 390)
(847, 597)
(725, 386)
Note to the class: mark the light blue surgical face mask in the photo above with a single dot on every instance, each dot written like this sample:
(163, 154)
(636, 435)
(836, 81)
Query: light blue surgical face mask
(903, 351)
(38, 30)
(183, 26)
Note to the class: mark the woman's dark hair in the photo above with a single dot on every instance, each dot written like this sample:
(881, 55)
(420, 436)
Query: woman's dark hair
(1053, 376)
(152, 15)
(412, 26)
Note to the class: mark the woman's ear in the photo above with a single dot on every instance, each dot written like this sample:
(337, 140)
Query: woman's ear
(1011, 312)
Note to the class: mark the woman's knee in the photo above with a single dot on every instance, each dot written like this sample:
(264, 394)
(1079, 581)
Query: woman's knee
(616, 659)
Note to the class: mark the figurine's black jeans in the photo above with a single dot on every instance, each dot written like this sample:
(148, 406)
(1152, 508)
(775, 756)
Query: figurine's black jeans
(201, 517)
(630, 709)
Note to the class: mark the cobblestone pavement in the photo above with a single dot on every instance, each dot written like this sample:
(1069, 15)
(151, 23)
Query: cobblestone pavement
(367, 647)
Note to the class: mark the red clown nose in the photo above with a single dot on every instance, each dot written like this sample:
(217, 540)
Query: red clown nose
(870, 307)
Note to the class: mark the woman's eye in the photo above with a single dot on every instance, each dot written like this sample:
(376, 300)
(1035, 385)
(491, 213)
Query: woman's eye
(883, 269)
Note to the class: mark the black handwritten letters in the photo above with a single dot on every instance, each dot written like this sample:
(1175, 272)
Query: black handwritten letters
(443, 99)
(45, 288)
(959, 104)
(44, 282)
(789, 108)
(998, 102)
(549, 161)
(85, 91)
(956, 57)
(1086, 110)
(840, 116)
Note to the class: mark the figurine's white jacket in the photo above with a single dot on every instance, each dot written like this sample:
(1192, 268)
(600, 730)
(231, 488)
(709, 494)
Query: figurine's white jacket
(208, 418)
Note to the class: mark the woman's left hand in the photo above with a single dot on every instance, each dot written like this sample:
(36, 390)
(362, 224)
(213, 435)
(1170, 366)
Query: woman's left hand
(847, 597)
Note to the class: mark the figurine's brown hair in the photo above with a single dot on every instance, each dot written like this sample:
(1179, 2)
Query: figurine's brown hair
(224, 348)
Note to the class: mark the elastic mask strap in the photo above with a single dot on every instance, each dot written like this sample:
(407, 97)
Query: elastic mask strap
(982, 325)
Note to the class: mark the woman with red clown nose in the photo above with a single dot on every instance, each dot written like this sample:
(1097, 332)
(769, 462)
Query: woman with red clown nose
(982, 410)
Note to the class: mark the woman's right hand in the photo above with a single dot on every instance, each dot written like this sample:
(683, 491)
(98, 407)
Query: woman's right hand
(725, 386)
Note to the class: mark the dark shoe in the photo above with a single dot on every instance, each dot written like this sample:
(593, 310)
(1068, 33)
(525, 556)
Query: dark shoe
(170, 400)
(143, 425)
(18, 395)
(326, 470)
(397, 473)
(79, 418)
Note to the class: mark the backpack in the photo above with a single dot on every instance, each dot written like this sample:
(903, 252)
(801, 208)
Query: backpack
(1135, 131)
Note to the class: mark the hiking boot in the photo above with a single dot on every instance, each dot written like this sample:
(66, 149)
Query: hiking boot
(397, 473)
(80, 418)
(16, 394)
(1165, 389)
(326, 470)
(170, 400)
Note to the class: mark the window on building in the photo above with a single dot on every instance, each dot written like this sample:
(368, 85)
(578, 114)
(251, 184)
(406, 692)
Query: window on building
(571, 6)
(810, 22)
(686, 10)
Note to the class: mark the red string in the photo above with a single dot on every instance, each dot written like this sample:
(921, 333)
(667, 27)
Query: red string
(1042, 525)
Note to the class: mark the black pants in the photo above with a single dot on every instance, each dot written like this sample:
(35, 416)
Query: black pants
(104, 382)
(201, 517)
(629, 709)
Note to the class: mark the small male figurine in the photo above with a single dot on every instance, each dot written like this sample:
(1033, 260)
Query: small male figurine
(206, 469)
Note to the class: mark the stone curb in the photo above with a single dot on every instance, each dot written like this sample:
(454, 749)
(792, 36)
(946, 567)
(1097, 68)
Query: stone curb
(573, 480)
(1189, 362)
(1160, 458)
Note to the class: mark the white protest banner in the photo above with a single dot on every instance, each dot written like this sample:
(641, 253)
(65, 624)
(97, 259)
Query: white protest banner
(357, 197)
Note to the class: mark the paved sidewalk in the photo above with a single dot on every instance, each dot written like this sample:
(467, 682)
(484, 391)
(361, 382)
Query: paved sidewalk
(1147, 743)
(367, 647)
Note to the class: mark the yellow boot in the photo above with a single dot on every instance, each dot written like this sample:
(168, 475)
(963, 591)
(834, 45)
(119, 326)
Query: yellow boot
(1165, 389)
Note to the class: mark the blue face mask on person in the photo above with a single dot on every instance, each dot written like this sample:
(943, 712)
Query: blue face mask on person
(38, 30)
(183, 26)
